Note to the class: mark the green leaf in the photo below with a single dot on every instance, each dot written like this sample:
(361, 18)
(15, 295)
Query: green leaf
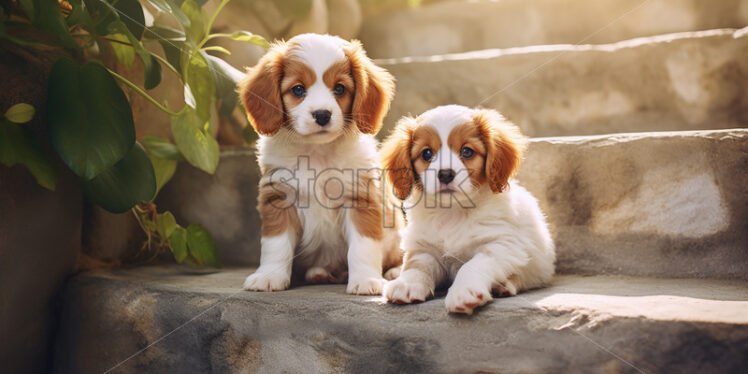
(162, 148)
(17, 146)
(178, 244)
(128, 182)
(159, 32)
(217, 48)
(246, 36)
(201, 245)
(199, 80)
(88, 117)
(129, 12)
(195, 31)
(48, 17)
(173, 51)
(20, 113)
(152, 73)
(163, 169)
(165, 224)
(125, 53)
(169, 7)
(226, 78)
(151, 67)
(79, 15)
(194, 142)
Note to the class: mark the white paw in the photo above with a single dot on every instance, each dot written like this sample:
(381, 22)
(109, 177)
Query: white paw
(365, 285)
(400, 291)
(317, 274)
(508, 288)
(392, 273)
(272, 281)
(463, 297)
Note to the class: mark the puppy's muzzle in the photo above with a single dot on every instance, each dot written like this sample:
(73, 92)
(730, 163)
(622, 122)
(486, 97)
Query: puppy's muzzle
(322, 116)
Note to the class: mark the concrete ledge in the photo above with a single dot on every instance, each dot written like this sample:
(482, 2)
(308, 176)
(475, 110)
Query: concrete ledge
(459, 26)
(580, 324)
(688, 81)
(654, 204)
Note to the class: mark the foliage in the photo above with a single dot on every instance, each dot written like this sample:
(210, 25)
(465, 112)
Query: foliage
(89, 118)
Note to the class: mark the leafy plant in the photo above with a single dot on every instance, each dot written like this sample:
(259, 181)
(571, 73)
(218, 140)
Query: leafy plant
(89, 118)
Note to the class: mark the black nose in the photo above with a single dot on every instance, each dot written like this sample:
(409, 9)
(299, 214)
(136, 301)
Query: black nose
(446, 175)
(322, 116)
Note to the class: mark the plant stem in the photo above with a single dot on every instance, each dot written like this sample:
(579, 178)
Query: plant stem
(141, 92)
(157, 57)
(210, 23)
(168, 65)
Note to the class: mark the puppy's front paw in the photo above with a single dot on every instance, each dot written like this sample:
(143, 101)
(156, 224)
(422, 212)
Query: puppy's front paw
(365, 285)
(463, 298)
(400, 291)
(392, 273)
(271, 281)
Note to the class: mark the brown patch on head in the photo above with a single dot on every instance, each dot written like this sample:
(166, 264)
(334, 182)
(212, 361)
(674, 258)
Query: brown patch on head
(340, 73)
(295, 73)
(424, 137)
(373, 89)
(401, 154)
(504, 147)
(260, 91)
(277, 213)
(468, 135)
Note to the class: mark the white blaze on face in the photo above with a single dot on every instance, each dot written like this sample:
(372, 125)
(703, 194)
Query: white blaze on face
(444, 119)
(319, 53)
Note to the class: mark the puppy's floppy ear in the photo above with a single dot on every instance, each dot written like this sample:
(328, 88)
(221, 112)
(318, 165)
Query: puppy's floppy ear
(260, 92)
(505, 146)
(395, 156)
(374, 89)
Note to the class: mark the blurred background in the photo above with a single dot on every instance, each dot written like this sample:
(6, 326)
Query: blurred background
(165, 172)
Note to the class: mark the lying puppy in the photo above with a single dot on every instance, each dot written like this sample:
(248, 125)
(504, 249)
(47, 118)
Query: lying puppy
(467, 223)
(316, 101)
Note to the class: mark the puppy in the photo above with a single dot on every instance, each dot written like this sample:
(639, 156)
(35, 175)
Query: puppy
(317, 101)
(467, 222)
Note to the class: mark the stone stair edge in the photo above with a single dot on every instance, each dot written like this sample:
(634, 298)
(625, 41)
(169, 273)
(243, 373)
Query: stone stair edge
(250, 150)
(489, 53)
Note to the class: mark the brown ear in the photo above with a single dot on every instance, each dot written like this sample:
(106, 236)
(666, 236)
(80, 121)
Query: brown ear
(395, 156)
(374, 89)
(260, 92)
(505, 146)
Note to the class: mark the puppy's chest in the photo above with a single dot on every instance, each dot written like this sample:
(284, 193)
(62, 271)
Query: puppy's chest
(451, 236)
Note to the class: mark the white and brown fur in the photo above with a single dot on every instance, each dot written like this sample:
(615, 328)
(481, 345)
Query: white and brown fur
(481, 231)
(331, 229)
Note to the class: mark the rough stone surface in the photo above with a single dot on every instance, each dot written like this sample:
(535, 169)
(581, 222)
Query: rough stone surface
(189, 322)
(657, 204)
(461, 26)
(689, 81)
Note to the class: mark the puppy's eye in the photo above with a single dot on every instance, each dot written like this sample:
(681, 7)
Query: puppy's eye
(298, 90)
(338, 90)
(467, 152)
(427, 154)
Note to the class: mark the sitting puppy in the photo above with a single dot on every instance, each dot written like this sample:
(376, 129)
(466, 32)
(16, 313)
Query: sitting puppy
(467, 223)
(316, 102)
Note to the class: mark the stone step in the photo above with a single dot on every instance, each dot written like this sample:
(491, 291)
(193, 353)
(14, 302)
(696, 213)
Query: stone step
(461, 26)
(171, 319)
(686, 81)
(652, 204)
